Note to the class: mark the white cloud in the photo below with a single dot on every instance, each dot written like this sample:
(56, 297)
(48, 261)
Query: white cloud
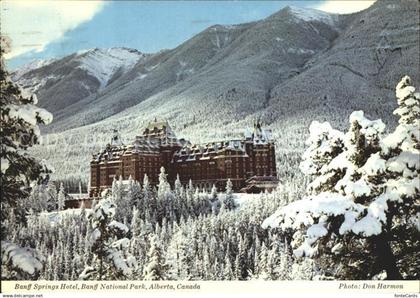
(33, 24)
(344, 6)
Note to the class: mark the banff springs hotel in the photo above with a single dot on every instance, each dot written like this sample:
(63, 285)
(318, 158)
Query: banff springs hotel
(248, 162)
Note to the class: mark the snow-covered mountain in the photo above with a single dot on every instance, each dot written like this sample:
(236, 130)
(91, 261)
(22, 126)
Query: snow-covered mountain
(313, 15)
(293, 67)
(61, 82)
(104, 63)
(253, 56)
(21, 71)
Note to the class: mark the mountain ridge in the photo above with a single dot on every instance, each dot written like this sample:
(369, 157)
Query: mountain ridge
(285, 72)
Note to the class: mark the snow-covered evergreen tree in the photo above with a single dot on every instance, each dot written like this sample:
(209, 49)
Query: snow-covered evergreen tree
(241, 267)
(149, 200)
(401, 152)
(324, 144)
(61, 198)
(20, 263)
(179, 256)
(228, 202)
(263, 271)
(303, 269)
(156, 268)
(228, 273)
(51, 196)
(117, 189)
(178, 186)
(213, 193)
(284, 263)
(124, 197)
(111, 260)
(19, 122)
(362, 202)
(134, 193)
(163, 186)
(272, 265)
(38, 199)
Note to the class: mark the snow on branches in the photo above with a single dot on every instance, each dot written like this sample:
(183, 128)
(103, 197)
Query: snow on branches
(111, 258)
(19, 120)
(18, 262)
(156, 267)
(365, 185)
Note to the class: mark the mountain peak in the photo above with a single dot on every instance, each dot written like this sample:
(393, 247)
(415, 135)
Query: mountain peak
(310, 15)
(35, 64)
(109, 51)
(102, 63)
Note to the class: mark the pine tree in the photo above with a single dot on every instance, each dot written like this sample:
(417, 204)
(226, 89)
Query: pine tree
(179, 256)
(135, 194)
(38, 199)
(324, 144)
(178, 186)
(19, 122)
(163, 187)
(61, 197)
(123, 200)
(241, 268)
(214, 200)
(156, 268)
(111, 259)
(213, 193)
(164, 196)
(362, 213)
(302, 270)
(117, 190)
(196, 202)
(238, 268)
(20, 263)
(149, 202)
(228, 202)
(228, 272)
(272, 264)
(52, 196)
(401, 151)
(263, 272)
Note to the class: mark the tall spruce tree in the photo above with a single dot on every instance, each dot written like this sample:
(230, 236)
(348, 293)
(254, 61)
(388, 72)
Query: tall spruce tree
(228, 202)
(355, 221)
(109, 246)
(19, 121)
(61, 197)
(156, 268)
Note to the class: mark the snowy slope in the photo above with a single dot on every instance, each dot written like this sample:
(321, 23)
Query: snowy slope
(313, 15)
(55, 217)
(236, 64)
(21, 71)
(103, 63)
(248, 71)
(62, 82)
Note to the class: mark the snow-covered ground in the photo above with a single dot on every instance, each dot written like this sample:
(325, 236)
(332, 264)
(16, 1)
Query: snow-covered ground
(308, 15)
(241, 199)
(55, 217)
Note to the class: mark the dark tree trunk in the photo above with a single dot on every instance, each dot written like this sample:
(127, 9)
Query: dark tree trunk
(385, 257)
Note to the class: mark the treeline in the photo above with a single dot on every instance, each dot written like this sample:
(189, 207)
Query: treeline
(174, 234)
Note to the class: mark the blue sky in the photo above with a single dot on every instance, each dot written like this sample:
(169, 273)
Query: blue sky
(149, 26)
